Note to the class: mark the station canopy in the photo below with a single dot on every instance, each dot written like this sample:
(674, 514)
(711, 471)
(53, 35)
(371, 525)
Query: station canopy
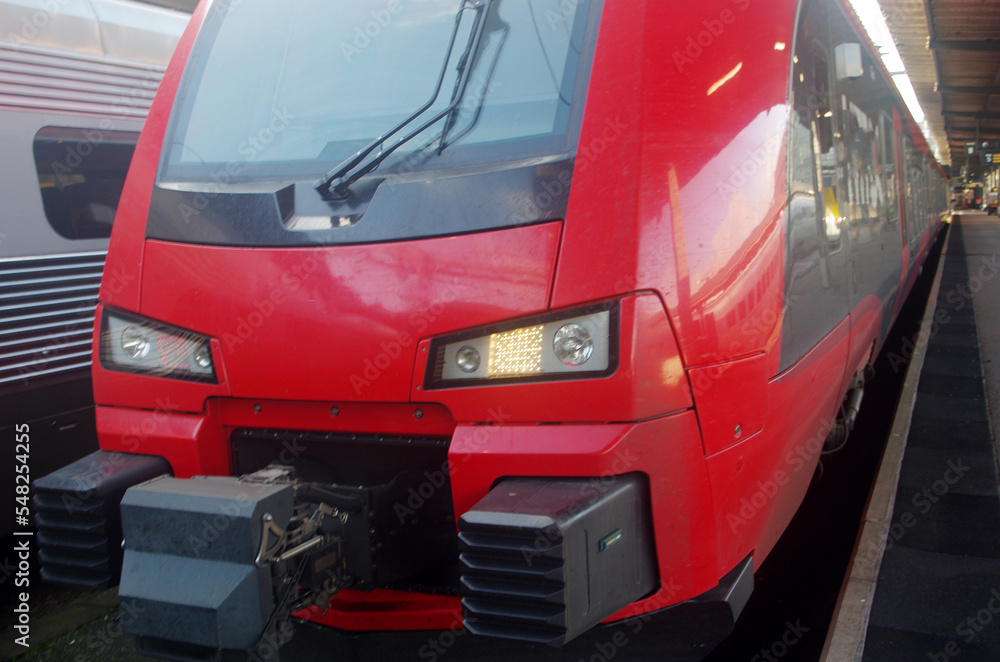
(951, 52)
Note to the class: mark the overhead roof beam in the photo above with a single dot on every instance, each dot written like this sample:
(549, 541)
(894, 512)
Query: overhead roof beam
(963, 45)
(968, 89)
(972, 130)
(967, 114)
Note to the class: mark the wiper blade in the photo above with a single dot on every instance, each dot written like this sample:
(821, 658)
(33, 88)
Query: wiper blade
(336, 183)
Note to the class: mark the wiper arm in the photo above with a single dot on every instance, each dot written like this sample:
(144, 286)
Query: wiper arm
(502, 29)
(336, 183)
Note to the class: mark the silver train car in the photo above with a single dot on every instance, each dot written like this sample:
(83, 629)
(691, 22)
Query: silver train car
(76, 81)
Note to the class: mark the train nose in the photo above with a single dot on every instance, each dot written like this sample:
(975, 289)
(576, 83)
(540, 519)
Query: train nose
(344, 322)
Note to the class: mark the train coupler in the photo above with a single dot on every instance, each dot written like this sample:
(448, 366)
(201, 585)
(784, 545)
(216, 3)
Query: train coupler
(214, 566)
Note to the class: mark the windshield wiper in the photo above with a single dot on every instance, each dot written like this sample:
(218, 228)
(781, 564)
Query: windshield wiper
(336, 183)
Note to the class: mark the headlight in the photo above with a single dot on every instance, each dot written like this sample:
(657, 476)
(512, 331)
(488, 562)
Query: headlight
(574, 344)
(134, 344)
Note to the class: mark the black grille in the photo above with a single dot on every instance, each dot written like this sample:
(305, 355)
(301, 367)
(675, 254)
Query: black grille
(513, 582)
(77, 518)
(545, 559)
(47, 315)
(337, 457)
(409, 538)
(73, 540)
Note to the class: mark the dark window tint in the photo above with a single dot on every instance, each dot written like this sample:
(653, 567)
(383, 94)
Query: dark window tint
(81, 173)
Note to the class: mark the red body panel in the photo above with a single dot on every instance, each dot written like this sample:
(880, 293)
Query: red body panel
(688, 222)
(866, 321)
(123, 269)
(389, 610)
(758, 483)
(667, 449)
(730, 409)
(343, 323)
(193, 444)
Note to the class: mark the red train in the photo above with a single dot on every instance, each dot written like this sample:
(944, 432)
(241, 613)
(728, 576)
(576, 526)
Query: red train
(500, 321)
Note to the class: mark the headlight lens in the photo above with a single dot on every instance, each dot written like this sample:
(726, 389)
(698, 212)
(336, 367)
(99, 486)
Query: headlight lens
(132, 344)
(135, 342)
(467, 359)
(573, 344)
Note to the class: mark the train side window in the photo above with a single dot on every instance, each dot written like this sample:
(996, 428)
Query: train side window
(906, 176)
(821, 99)
(826, 155)
(887, 136)
(805, 208)
(81, 173)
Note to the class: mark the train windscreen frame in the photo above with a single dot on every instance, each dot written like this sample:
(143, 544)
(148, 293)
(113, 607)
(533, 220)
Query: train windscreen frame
(287, 95)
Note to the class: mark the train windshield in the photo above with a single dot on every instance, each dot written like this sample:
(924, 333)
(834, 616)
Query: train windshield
(291, 90)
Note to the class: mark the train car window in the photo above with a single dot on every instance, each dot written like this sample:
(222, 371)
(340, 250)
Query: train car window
(821, 99)
(922, 220)
(815, 262)
(860, 159)
(81, 173)
(813, 163)
(802, 162)
(834, 211)
(887, 141)
(817, 95)
(909, 184)
(810, 102)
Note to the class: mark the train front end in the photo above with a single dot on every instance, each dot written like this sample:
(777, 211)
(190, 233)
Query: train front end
(350, 363)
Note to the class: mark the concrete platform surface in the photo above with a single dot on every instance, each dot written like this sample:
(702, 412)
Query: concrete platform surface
(925, 579)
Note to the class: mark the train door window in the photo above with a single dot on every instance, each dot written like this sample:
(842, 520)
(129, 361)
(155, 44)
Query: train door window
(887, 138)
(823, 143)
(81, 173)
(810, 100)
(815, 260)
(911, 184)
(860, 142)
(813, 162)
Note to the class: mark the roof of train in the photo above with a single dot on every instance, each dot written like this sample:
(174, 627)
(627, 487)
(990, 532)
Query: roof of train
(115, 29)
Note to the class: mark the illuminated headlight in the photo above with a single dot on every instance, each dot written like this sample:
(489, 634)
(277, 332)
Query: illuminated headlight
(133, 344)
(574, 344)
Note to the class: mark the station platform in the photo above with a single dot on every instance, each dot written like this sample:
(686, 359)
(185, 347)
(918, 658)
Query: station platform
(924, 580)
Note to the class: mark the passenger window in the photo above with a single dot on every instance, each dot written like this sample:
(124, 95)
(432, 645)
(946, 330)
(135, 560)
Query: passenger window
(821, 98)
(888, 149)
(81, 173)
(814, 162)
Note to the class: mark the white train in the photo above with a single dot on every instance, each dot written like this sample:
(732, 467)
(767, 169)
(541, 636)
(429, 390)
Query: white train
(76, 81)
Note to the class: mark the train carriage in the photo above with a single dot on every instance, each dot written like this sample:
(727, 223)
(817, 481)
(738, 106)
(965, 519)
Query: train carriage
(76, 80)
(522, 320)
